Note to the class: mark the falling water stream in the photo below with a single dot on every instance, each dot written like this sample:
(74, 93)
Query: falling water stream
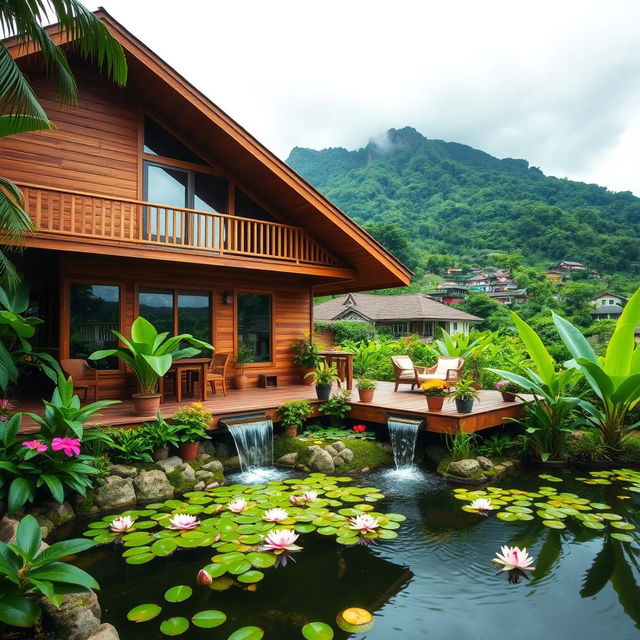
(403, 433)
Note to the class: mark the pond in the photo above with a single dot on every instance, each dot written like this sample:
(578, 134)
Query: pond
(434, 580)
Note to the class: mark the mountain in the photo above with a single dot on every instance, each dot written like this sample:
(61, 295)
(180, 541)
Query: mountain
(449, 198)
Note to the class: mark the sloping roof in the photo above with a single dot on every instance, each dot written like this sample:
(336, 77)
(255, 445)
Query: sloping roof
(607, 309)
(610, 295)
(199, 120)
(415, 306)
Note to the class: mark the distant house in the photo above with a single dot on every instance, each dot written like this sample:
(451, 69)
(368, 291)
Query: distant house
(607, 298)
(450, 293)
(553, 275)
(403, 315)
(509, 297)
(568, 265)
(607, 312)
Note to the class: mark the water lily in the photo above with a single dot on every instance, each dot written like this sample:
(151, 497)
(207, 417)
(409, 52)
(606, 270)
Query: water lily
(38, 445)
(183, 522)
(204, 578)
(121, 524)
(309, 496)
(238, 505)
(296, 500)
(514, 558)
(363, 523)
(481, 504)
(275, 515)
(280, 540)
(69, 446)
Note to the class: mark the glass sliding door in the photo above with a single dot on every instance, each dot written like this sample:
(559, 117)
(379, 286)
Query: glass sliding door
(194, 316)
(254, 324)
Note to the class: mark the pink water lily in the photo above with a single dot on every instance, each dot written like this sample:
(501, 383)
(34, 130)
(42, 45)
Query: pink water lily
(38, 445)
(238, 505)
(275, 515)
(183, 522)
(280, 540)
(481, 504)
(309, 496)
(121, 524)
(69, 446)
(204, 578)
(363, 523)
(296, 500)
(514, 558)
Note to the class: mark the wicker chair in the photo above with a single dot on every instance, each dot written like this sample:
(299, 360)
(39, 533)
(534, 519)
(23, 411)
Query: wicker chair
(405, 372)
(84, 377)
(218, 371)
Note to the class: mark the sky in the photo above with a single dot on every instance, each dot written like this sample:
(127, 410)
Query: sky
(557, 83)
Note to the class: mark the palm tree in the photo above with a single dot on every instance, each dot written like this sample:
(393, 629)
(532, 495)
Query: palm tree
(20, 110)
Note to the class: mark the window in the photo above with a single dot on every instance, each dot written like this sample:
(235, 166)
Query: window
(254, 324)
(248, 208)
(612, 301)
(95, 313)
(400, 328)
(454, 326)
(159, 142)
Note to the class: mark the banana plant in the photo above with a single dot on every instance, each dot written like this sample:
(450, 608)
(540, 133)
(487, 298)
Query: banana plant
(614, 378)
(461, 345)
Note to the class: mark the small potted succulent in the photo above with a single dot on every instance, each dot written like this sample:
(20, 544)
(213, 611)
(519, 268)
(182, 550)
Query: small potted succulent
(244, 356)
(464, 393)
(435, 392)
(508, 390)
(366, 389)
(323, 377)
(161, 435)
(293, 414)
(305, 355)
(192, 424)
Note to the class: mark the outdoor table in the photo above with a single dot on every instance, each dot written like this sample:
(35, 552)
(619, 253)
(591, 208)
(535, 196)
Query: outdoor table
(197, 365)
(344, 364)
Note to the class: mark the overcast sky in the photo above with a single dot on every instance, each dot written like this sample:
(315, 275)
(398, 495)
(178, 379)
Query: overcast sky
(557, 83)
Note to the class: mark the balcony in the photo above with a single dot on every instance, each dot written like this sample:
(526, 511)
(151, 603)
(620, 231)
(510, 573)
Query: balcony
(142, 229)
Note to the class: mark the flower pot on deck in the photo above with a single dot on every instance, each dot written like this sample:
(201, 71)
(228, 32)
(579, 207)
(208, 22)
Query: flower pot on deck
(240, 381)
(323, 391)
(291, 430)
(434, 403)
(160, 454)
(189, 450)
(146, 404)
(305, 378)
(464, 405)
(366, 395)
(507, 396)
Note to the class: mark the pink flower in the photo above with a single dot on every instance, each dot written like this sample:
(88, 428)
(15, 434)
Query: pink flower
(309, 496)
(514, 558)
(204, 578)
(35, 444)
(275, 515)
(359, 428)
(280, 540)
(69, 446)
(5, 405)
(295, 500)
(183, 522)
(238, 505)
(363, 523)
(121, 524)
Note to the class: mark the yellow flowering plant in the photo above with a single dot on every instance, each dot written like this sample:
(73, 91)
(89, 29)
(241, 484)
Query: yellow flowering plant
(434, 388)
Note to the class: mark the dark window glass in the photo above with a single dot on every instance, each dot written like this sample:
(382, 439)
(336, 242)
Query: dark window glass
(210, 193)
(254, 324)
(159, 142)
(194, 317)
(95, 313)
(156, 306)
(248, 208)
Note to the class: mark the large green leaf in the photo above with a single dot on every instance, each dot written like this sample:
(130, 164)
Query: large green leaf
(144, 612)
(29, 536)
(622, 343)
(179, 593)
(538, 352)
(143, 332)
(573, 339)
(20, 491)
(59, 550)
(67, 573)
(18, 612)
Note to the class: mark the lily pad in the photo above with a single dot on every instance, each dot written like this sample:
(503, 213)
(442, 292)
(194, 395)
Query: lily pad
(209, 619)
(554, 524)
(174, 626)
(179, 593)
(317, 631)
(623, 537)
(144, 612)
(247, 633)
(251, 577)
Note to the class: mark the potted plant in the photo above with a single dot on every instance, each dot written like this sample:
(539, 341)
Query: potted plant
(464, 393)
(192, 424)
(244, 356)
(160, 435)
(508, 390)
(435, 392)
(366, 389)
(323, 377)
(150, 356)
(305, 355)
(293, 414)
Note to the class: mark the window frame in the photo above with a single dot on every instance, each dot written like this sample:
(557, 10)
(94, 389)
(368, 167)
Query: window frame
(272, 325)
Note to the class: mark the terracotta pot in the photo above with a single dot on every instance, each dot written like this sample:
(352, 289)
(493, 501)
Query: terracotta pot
(464, 405)
(435, 402)
(308, 380)
(161, 454)
(146, 404)
(240, 381)
(507, 396)
(291, 430)
(366, 395)
(189, 450)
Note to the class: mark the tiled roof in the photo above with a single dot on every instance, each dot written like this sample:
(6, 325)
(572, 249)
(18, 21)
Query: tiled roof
(606, 309)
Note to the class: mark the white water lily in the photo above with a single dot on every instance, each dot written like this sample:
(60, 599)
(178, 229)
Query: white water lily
(280, 540)
(183, 522)
(275, 515)
(238, 505)
(481, 504)
(309, 496)
(514, 558)
(121, 524)
(363, 523)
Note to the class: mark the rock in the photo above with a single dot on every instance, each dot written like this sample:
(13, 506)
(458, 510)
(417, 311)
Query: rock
(222, 451)
(199, 487)
(105, 631)
(485, 463)
(331, 451)
(464, 468)
(59, 513)
(77, 618)
(203, 474)
(46, 526)
(507, 464)
(123, 470)
(186, 472)
(215, 466)
(233, 462)
(365, 470)
(8, 528)
(84, 505)
(213, 485)
(288, 459)
(204, 457)
(385, 446)
(346, 455)
(115, 492)
(169, 464)
(152, 485)
(338, 445)
(301, 467)
(208, 448)
(322, 461)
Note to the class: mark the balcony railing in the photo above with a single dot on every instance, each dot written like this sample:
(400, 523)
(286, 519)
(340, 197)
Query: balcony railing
(121, 220)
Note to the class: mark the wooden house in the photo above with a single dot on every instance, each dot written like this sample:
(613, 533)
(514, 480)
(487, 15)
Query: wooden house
(150, 200)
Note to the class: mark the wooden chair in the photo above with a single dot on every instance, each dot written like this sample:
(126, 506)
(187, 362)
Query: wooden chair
(218, 371)
(84, 377)
(405, 372)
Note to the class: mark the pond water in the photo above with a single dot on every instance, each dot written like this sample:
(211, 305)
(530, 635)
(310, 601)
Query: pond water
(435, 580)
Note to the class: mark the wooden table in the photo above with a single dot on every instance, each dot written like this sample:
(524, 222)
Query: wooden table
(344, 364)
(197, 365)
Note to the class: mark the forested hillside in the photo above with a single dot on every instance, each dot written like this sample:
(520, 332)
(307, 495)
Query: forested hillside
(448, 198)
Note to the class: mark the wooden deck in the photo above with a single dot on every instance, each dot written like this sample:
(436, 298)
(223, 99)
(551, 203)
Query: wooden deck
(489, 411)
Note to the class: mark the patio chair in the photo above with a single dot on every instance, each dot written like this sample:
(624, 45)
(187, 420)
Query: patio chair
(84, 376)
(217, 372)
(405, 372)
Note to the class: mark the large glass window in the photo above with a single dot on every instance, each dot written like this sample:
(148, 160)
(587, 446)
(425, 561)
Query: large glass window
(246, 207)
(95, 313)
(156, 306)
(254, 324)
(194, 315)
(159, 142)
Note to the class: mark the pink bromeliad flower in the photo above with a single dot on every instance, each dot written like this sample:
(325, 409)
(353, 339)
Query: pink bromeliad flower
(69, 446)
(38, 445)
(281, 540)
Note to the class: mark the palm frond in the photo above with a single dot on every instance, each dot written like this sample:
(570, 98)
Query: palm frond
(15, 222)
(21, 123)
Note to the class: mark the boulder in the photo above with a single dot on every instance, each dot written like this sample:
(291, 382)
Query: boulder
(105, 631)
(203, 474)
(46, 526)
(213, 485)
(485, 463)
(152, 485)
(338, 445)
(58, 513)
(233, 462)
(77, 618)
(169, 464)
(115, 492)
(464, 469)
(288, 459)
(204, 457)
(346, 454)
(8, 529)
(84, 505)
(207, 448)
(222, 451)
(123, 470)
(199, 486)
(186, 472)
(331, 451)
(214, 465)
(322, 461)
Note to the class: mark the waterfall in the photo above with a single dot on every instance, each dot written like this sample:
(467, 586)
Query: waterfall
(403, 433)
(253, 438)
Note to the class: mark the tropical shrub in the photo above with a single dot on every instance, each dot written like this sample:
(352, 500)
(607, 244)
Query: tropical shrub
(347, 331)
(294, 412)
(130, 445)
(461, 446)
(28, 574)
(497, 445)
(337, 407)
(587, 446)
(305, 353)
(160, 433)
(631, 447)
(324, 374)
(461, 345)
(195, 415)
